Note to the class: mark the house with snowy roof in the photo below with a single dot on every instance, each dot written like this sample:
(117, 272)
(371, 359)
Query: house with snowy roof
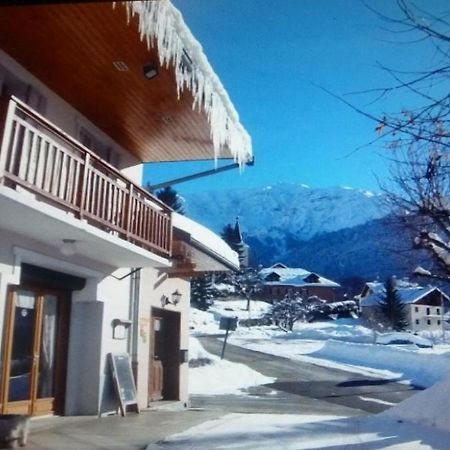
(279, 281)
(425, 306)
(92, 264)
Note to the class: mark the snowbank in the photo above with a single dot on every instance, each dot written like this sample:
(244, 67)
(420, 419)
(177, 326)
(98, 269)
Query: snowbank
(207, 322)
(215, 376)
(430, 407)
(423, 369)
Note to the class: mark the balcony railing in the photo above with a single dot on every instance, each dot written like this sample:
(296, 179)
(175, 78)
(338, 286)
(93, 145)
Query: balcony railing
(38, 156)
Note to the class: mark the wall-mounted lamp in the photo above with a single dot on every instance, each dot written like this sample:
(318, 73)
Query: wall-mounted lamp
(176, 298)
(68, 247)
(120, 328)
(150, 70)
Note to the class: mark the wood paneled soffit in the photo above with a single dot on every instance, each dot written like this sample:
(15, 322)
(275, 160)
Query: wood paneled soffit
(91, 57)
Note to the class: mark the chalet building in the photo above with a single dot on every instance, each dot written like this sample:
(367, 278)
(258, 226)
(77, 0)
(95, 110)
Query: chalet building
(279, 281)
(91, 263)
(424, 306)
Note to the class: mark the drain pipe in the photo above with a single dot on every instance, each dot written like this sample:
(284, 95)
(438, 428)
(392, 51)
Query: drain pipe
(132, 347)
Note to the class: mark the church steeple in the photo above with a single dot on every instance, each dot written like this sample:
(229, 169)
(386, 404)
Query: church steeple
(237, 232)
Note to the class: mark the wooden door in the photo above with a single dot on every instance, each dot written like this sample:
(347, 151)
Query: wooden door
(156, 367)
(35, 351)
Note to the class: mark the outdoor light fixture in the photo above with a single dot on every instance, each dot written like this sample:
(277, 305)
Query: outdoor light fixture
(68, 247)
(176, 297)
(150, 70)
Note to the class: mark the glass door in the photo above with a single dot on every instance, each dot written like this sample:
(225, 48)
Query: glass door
(32, 365)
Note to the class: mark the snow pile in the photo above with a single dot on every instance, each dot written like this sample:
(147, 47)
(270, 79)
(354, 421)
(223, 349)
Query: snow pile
(207, 322)
(430, 407)
(162, 25)
(422, 368)
(238, 308)
(202, 322)
(214, 376)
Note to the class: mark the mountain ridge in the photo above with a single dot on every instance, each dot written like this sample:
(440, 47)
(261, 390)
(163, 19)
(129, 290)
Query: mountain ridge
(339, 232)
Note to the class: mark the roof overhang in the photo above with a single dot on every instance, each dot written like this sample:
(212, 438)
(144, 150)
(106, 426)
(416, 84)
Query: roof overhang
(196, 249)
(77, 49)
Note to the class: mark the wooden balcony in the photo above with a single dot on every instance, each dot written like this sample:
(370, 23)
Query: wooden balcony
(44, 160)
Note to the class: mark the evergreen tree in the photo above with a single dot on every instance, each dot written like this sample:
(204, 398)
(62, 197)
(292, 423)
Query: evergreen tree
(228, 236)
(202, 292)
(392, 308)
(170, 197)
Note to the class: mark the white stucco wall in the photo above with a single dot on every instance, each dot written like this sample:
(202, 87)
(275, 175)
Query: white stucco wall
(154, 285)
(428, 317)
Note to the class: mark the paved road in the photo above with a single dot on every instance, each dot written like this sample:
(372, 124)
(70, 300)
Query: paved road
(303, 388)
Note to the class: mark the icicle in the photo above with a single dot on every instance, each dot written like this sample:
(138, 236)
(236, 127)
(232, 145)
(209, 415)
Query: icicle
(161, 25)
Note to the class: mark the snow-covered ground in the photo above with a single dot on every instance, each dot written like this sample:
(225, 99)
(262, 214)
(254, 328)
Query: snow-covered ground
(296, 432)
(214, 376)
(420, 422)
(344, 344)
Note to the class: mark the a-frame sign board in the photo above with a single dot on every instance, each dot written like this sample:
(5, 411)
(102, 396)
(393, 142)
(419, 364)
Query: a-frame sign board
(124, 382)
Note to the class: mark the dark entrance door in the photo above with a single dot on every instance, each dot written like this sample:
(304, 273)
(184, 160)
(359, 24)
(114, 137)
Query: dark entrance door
(164, 370)
(35, 351)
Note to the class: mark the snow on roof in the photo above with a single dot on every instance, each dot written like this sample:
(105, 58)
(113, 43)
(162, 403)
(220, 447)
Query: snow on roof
(207, 238)
(407, 295)
(162, 25)
(294, 276)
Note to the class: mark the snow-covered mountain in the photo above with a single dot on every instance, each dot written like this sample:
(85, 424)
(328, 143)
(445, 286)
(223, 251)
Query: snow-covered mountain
(339, 232)
(282, 208)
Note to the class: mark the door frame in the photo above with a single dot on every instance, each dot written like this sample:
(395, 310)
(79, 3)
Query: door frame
(34, 405)
(169, 367)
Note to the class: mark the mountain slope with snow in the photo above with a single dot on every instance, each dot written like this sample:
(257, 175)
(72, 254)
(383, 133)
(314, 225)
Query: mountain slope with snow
(339, 232)
(287, 207)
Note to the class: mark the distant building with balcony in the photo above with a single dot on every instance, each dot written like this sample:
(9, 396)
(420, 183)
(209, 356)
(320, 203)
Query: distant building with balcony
(91, 263)
(424, 306)
(279, 281)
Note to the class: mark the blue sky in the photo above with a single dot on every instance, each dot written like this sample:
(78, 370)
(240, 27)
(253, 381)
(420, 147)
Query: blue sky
(270, 56)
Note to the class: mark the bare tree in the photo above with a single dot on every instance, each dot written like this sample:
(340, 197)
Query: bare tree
(418, 138)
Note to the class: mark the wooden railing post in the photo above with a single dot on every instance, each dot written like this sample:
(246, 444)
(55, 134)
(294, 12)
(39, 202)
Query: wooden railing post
(83, 185)
(129, 211)
(7, 113)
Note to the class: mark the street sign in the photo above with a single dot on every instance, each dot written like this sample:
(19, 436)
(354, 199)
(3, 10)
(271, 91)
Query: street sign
(228, 323)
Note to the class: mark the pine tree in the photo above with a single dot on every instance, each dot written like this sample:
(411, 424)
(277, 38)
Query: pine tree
(392, 308)
(202, 292)
(228, 236)
(170, 197)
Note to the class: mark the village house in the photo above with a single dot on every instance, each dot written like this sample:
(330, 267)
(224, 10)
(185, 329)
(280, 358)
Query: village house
(90, 262)
(424, 306)
(279, 281)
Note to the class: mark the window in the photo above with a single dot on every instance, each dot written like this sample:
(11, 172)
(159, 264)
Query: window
(428, 311)
(429, 322)
(438, 310)
(417, 321)
(416, 309)
(98, 147)
(438, 322)
(10, 84)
